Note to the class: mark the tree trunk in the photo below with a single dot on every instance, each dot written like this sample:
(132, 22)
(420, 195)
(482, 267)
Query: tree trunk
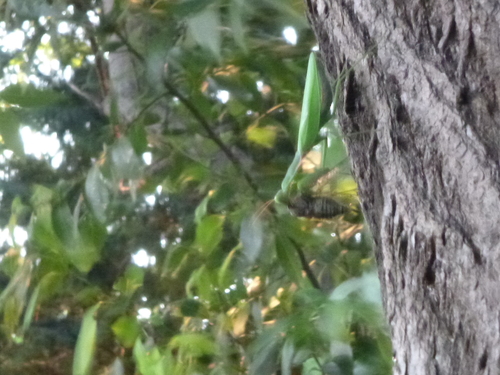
(422, 126)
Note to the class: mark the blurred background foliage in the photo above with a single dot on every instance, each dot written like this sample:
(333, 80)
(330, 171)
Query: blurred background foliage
(149, 245)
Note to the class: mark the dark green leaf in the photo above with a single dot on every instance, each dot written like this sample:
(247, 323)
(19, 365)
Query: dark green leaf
(190, 307)
(97, 192)
(288, 259)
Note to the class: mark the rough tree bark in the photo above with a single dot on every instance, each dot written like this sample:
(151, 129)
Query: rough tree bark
(422, 126)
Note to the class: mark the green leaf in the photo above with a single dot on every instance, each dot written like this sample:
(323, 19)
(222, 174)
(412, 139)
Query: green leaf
(85, 344)
(366, 287)
(311, 367)
(138, 138)
(50, 284)
(311, 108)
(290, 175)
(226, 276)
(150, 361)
(131, 280)
(9, 130)
(288, 259)
(13, 297)
(203, 282)
(190, 307)
(29, 96)
(209, 233)
(125, 162)
(201, 210)
(335, 153)
(193, 344)
(236, 14)
(126, 330)
(12, 310)
(93, 235)
(82, 243)
(205, 28)
(265, 350)
(252, 237)
(97, 192)
(287, 352)
(30, 309)
(262, 136)
(18, 210)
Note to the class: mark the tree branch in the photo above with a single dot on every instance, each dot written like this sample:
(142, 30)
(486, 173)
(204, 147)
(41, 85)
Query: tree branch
(305, 266)
(210, 133)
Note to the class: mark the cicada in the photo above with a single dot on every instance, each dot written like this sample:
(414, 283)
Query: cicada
(317, 207)
(323, 198)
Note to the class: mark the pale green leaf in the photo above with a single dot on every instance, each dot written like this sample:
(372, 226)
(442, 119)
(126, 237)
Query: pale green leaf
(290, 174)
(206, 30)
(287, 352)
(97, 192)
(226, 277)
(193, 344)
(85, 344)
(263, 136)
(125, 162)
(252, 237)
(201, 210)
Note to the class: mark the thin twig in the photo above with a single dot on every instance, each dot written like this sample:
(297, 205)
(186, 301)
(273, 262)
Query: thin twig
(211, 134)
(319, 364)
(149, 105)
(305, 266)
(199, 117)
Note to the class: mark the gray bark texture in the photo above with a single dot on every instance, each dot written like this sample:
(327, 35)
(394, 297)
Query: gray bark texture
(122, 68)
(422, 125)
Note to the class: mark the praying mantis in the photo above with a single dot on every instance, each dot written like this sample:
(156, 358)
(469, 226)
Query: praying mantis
(304, 193)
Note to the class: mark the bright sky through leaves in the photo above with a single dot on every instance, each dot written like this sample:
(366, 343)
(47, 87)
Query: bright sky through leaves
(290, 35)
